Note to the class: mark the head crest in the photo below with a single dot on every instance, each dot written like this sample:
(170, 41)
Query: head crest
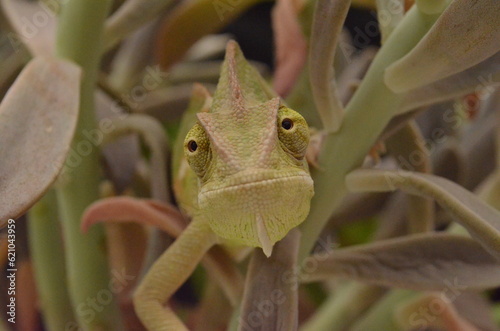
(240, 85)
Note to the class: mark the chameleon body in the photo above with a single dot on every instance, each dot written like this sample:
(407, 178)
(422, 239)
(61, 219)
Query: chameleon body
(241, 175)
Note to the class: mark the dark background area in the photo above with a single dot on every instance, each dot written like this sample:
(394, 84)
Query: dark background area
(257, 21)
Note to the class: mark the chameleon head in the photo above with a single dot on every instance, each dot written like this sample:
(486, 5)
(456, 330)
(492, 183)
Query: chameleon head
(248, 153)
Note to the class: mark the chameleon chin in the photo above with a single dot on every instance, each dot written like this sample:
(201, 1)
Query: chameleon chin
(251, 211)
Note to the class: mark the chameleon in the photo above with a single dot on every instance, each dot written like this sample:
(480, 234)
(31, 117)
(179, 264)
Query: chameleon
(240, 174)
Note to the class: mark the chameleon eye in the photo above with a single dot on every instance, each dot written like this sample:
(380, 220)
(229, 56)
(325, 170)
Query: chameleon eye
(287, 124)
(192, 146)
(293, 132)
(197, 149)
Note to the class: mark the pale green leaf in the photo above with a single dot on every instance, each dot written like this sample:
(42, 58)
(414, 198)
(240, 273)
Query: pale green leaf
(38, 117)
(431, 6)
(389, 14)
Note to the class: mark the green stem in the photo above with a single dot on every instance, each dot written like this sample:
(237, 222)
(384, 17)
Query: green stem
(47, 252)
(79, 39)
(370, 109)
(496, 314)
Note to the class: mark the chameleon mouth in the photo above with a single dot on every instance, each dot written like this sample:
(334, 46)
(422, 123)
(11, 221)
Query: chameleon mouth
(249, 181)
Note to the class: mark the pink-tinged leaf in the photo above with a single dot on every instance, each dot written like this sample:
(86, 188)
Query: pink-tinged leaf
(466, 34)
(38, 117)
(291, 46)
(328, 19)
(170, 220)
(476, 308)
(126, 209)
(34, 24)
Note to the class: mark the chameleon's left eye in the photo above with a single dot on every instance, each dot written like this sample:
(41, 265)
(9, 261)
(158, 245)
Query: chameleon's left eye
(197, 149)
(192, 146)
(293, 132)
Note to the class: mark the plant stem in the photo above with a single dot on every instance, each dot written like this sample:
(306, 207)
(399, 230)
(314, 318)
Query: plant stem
(47, 253)
(79, 39)
(370, 109)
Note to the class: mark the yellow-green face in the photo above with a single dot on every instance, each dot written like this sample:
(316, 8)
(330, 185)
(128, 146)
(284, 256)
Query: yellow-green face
(254, 182)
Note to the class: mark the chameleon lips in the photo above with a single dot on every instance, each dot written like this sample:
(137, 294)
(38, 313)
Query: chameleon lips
(257, 213)
(251, 180)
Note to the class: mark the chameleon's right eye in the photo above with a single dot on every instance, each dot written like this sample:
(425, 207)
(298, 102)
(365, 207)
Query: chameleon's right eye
(293, 132)
(197, 149)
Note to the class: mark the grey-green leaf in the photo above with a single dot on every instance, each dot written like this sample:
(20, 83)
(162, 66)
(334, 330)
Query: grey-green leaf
(131, 15)
(481, 77)
(38, 117)
(271, 287)
(480, 220)
(430, 261)
(465, 34)
(327, 25)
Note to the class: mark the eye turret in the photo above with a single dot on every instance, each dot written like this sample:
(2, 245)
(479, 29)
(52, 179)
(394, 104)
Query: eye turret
(197, 149)
(293, 132)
